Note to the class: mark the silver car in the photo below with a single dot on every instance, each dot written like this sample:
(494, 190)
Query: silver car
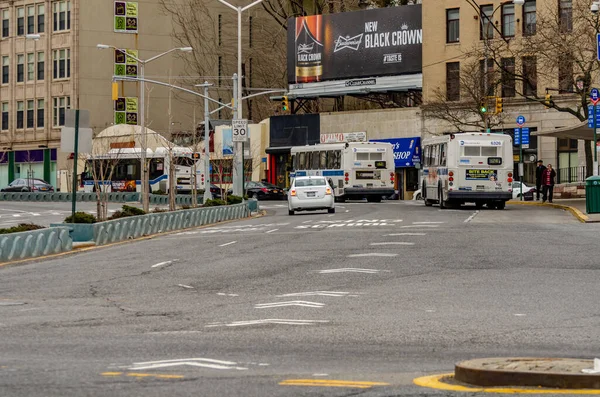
(310, 193)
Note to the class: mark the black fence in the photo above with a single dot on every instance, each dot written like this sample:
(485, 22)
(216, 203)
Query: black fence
(571, 175)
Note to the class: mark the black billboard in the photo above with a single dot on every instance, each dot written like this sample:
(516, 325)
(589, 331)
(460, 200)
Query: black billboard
(369, 43)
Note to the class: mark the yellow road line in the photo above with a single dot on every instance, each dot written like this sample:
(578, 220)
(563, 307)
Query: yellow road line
(140, 375)
(331, 383)
(435, 382)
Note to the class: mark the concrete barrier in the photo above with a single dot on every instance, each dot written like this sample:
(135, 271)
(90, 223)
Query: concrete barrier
(34, 243)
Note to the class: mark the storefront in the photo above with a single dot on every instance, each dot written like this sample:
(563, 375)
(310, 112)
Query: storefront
(38, 164)
(407, 160)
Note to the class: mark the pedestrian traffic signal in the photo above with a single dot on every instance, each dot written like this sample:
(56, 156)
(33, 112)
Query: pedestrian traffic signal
(548, 100)
(498, 105)
(284, 103)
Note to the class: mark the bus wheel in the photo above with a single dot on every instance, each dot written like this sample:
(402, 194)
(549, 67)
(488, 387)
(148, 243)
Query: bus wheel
(501, 205)
(374, 199)
(441, 198)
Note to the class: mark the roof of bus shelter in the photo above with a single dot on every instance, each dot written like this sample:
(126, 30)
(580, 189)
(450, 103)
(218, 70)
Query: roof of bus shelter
(577, 131)
(128, 134)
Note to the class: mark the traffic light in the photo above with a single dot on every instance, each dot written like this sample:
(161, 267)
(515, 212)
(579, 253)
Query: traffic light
(284, 103)
(547, 100)
(498, 105)
(115, 91)
(196, 156)
(482, 107)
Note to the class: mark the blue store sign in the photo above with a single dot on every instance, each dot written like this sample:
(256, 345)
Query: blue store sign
(407, 151)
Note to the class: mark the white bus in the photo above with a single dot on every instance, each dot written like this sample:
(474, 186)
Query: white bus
(467, 168)
(356, 170)
(126, 173)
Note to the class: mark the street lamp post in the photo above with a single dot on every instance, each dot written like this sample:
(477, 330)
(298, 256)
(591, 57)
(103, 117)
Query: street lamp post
(238, 169)
(145, 182)
(207, 180)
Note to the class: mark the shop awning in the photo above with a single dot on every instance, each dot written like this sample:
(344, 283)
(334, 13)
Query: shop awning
(278, 150)
(407, 151)
(577, 131)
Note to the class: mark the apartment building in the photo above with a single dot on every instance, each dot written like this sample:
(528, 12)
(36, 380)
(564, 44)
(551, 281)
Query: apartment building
(456, 35)
(51, 63)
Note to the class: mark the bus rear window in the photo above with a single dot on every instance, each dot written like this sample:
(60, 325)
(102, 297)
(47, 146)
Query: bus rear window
(480, 151)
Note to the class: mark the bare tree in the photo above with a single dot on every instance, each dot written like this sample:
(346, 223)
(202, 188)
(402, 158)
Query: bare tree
(101, 165)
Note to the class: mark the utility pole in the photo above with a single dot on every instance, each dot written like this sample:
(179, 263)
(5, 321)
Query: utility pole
(207, 180)
(237, 153)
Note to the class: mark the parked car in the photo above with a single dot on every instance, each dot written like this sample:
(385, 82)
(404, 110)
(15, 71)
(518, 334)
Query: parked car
(28, 185)
(282, 191)
(528, 191)
(260, 191)
(310, 193)
(216, 191)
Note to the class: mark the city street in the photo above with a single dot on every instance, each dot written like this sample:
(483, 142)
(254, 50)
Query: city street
(359, 302)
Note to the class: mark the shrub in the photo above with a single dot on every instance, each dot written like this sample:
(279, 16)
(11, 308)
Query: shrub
(126, 211)
(214, 203)
(81, 217)
(22, 227)
(155, 210)
(231, 199)
(160, 192)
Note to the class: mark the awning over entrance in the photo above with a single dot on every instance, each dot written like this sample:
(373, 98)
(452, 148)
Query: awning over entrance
(577, 131)
(407, 151)
(278, 150)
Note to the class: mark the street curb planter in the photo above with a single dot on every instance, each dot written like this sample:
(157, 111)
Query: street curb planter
(79, 232)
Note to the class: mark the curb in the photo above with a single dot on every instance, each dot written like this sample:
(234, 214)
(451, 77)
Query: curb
(89, 246)
(581, 217)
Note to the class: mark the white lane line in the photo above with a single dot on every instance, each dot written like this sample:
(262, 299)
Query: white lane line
(290, 303)
(370, 254)
(162, 263)
(347, 210)
(229, 243)
(407, 234)
(393, 243)
(185, 286)
(16, 215)
(520, 314)
(271, 231)
(351, 270)
(412, 226)
(425, 223)
(10, 209)
(317, 293)
(469, 219)
(224, 294)
(268, 321)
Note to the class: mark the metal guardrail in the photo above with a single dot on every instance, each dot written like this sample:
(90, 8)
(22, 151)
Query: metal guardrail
(144, 225)
(34, 243)
(112, 197)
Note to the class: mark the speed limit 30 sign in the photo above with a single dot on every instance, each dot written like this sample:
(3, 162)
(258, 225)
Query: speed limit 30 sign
(240, 130)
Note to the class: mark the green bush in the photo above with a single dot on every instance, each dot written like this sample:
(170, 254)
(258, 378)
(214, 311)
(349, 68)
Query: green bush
(214, 203)
(81, 217)
(126, 211)
(231, 199)
(21, 227)
(155, 210)
(160, 192)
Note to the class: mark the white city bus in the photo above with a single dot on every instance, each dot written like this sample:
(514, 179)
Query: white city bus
(467, 168)
(126, 173)
(356, 170)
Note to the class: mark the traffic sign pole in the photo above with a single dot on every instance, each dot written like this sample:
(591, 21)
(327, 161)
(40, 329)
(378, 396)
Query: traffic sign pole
(521, 123)
(75, 155)
(595, 147)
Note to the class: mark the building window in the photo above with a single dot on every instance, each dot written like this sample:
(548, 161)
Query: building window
(20, 111)
(59, 108)
(565, 74)
(508, 77)
(61, 11)
(491, 87)
(30, 113)
(41, 15)
(20, 21)
(40, 113)
(220, 71)
(566, 15)
(486, 26)
(20, 68)
(508, 20)
(5, 23)
(453, 81)
(40, 65)
(220, 23)
(30, 67)
(5, 69)
(30, 19)
(529, 18)
(250, 32)
(5, 115)
(61, 63)
(452, 25)
(530, 76)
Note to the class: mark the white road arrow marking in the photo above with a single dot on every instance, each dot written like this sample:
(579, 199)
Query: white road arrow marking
(350, 270)
(229, 243)
(267, 321)
(371, 254)
(290, 303)
(162, 263)
(316, 293)
(194, 362)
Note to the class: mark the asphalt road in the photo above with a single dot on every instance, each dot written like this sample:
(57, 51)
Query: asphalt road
(297, 305)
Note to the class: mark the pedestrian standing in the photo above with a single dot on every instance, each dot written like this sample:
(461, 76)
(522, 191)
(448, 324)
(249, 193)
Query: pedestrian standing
(548, 181)
(538, 177)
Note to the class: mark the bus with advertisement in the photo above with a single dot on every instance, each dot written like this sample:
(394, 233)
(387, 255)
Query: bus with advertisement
(119, 170)
(355, 170)
(467, 168)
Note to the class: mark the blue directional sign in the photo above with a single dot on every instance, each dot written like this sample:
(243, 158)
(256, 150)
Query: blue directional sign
(525, 136)
(517, 140)
(594, 95)
(520, 121)
(591, 116)
(598, 46)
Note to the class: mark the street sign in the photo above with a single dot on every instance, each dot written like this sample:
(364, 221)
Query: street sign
(525, 136)
(517, 140)
(84, 118)
(240, 130)
(67, 140)
(520, 121)
(598, 46)
(594, 95)
(591, 116)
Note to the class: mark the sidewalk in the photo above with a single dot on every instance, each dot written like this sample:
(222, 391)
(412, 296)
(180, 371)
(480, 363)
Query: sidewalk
(576, 206)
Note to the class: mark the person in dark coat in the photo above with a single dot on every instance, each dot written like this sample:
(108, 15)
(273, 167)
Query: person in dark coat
(538, 177)
(548, 181)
